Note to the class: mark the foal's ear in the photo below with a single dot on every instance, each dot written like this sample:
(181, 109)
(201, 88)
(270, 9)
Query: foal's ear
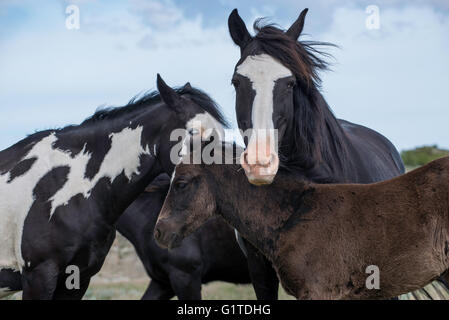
(188, 86)
(295, 30)
(168, 95)
(237, 29)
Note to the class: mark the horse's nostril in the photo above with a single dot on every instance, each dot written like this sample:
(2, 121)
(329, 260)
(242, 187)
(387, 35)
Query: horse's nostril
(266, 162)
(272, 159)
(245, 157)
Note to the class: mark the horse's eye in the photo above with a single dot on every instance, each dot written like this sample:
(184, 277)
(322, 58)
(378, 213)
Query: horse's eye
(280, 119)
(180, 185)
(243, 124)
(235, 82)
(291, 84)
(193, 131)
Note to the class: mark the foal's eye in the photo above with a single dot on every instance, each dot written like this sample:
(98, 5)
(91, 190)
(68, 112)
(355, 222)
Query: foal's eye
(180, 185)
(235, 82)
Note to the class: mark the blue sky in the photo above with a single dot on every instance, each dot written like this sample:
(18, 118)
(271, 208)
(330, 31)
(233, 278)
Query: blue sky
(394, 79)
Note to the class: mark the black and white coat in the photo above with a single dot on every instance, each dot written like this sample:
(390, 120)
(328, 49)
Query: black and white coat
(62, 191)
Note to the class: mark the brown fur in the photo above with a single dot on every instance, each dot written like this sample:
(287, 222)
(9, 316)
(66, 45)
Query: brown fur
(320, 238)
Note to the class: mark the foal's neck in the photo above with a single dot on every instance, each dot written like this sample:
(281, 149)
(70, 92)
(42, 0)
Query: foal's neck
(259, 213)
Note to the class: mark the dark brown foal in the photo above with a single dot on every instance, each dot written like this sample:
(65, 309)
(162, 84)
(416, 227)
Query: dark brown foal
(323, 239)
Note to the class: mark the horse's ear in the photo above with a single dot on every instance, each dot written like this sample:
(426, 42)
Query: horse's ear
(237, 29)
(188, 86)
(168, 95)
(295, 30)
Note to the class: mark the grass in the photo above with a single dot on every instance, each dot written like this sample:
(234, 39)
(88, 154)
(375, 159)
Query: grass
(211, 291)
(116, 291)
(227, 291)
(222, 290)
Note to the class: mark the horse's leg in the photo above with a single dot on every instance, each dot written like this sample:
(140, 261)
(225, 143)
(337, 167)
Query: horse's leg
(40, 282)
(444, 278)
(187, 286)
(10, 282)
(158, 291)
(263, 276)
(64, 293)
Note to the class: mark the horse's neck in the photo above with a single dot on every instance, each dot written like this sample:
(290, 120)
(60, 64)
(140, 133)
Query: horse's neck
(124, 152)
(138, 156)
(324, 156)
(139, 218)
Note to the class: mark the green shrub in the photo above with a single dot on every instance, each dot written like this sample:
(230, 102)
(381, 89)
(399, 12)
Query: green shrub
(422, 155)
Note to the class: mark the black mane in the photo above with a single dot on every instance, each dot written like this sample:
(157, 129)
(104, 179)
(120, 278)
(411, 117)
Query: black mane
(320, 144)
(303, 58)
(151, 99)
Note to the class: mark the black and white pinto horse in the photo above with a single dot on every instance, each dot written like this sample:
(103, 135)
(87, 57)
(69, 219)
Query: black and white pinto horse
(277, 88)
(210, 254)
(62, 191)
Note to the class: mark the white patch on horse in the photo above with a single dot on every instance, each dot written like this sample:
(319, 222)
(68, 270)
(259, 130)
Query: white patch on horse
(16, 197)
(263, 71)
(122, 157)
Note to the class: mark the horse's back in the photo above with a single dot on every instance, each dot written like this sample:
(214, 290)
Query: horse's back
(379, 156)
(10, 156)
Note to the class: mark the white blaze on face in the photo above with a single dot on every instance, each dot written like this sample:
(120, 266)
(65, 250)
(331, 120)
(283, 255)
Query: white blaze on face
(16, 197)
(263, 71)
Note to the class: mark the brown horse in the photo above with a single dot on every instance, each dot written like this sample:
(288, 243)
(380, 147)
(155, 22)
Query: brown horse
(323, 239)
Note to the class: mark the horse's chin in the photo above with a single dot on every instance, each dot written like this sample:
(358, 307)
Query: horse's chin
(260, 176)
(260, 183)
(175, 242)
(260, 180)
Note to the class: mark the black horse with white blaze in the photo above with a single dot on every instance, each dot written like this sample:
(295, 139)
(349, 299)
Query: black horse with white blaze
(62, 191)
(277, 88)
(210, 254)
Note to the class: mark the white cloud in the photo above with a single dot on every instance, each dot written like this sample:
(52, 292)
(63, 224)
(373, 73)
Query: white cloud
(394, 80)
(55, 76)
(161, 15)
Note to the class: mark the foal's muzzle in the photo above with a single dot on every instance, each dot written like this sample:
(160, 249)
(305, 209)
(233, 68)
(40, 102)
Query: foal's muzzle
(166, 235)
